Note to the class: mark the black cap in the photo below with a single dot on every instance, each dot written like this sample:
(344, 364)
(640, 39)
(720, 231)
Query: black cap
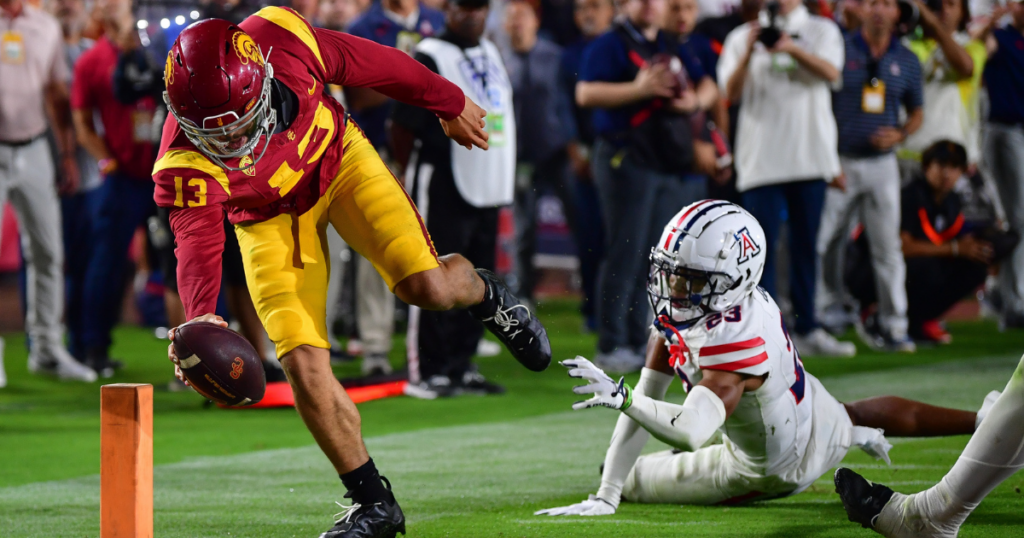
(471, 4)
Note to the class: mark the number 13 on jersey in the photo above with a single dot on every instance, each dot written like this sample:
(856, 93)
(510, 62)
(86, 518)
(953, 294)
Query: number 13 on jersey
(198, 184)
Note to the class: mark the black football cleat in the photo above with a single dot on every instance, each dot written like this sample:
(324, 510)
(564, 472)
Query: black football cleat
(862, 500)
(378, 520)
(513, 323)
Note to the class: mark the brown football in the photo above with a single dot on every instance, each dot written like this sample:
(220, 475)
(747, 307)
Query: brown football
(220, 363)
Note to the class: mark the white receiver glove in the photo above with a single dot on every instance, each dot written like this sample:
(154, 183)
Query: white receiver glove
(606, 392)
(593, 506)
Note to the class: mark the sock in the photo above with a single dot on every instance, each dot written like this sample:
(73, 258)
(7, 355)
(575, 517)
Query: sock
(489, 305)
(365, 484)
(994, 453)
(629, 438)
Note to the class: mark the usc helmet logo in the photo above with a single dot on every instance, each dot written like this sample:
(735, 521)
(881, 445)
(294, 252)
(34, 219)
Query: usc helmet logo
(236, 368)
(246, 48)
(169, 70)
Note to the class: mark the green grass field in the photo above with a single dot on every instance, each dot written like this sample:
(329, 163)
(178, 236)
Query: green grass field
(466, 467)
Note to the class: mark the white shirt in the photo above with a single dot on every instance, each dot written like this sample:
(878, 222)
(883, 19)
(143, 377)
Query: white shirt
(786, 131)
(716, 8)
(31, 57)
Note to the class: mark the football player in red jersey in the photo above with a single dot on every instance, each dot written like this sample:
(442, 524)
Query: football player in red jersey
(253, 132)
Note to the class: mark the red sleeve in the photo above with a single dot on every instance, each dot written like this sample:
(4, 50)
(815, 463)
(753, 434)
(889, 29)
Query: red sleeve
(80, 95)
(199, 235)
(354, 61)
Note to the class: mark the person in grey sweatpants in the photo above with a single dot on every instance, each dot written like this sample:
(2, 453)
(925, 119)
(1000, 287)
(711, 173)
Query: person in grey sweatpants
(1004, 157)
(1004, 145)
(880, 77)
(27, 180)
(33, 78)
(872, 197)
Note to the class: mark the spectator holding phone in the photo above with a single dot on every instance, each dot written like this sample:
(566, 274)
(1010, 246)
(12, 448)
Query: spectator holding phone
(642, 85)
(951, 64)
(781, 70)
(1004, 143)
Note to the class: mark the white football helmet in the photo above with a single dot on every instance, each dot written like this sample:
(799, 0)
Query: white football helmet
(710, 256)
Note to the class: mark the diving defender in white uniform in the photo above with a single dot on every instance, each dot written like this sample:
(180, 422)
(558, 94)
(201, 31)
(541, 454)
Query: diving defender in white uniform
(725, 338)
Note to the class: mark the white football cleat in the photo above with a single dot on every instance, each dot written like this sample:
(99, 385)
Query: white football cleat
(486, 348)
(621, 360)
(60, 363)
(819, 343)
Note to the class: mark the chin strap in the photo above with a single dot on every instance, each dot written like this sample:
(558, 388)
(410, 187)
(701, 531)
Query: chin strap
(677, 346)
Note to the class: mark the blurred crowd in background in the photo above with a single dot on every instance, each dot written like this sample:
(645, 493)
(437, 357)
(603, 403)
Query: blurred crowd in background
(880, 143)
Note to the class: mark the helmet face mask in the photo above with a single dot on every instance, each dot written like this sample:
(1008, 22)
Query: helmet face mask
(683, 294)
(229, 136)
(218, 88)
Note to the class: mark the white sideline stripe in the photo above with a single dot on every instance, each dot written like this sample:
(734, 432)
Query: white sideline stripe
(562, 520)
(905, 467)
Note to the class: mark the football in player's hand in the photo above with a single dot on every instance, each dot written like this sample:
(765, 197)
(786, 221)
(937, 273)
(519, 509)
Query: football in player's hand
(219, 363)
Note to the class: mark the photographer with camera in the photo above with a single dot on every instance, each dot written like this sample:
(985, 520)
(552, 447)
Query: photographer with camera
(781, 69)
(881, 76)
(951, 64)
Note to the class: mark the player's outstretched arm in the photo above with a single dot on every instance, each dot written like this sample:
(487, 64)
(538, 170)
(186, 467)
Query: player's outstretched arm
(686, 427)
(352, 61)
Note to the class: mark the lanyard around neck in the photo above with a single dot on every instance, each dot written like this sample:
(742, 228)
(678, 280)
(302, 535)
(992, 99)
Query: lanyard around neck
(478, 74)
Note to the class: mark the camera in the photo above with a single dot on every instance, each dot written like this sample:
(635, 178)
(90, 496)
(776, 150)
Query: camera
(771, 33)
(910, 15)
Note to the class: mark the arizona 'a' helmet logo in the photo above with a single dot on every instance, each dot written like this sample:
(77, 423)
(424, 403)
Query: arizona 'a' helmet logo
(748, 247)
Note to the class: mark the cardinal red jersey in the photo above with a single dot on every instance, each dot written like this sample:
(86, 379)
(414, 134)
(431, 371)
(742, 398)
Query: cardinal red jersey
(301, 161)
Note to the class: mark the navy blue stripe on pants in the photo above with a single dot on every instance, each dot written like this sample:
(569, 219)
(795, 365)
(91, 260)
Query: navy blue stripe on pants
(802, 201)
(124, 205)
